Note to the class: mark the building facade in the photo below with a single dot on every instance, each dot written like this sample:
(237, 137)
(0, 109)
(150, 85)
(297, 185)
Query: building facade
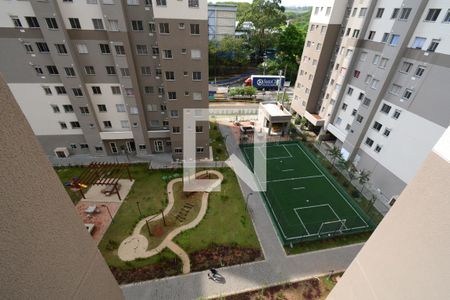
(383, 98)
(221, 20)
(102, 77)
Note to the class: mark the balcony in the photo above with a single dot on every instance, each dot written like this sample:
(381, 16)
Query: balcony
(314, 119)
(339, 134)
(116, 135)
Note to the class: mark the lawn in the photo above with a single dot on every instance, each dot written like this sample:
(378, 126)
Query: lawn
(65, 174)
(217, 143)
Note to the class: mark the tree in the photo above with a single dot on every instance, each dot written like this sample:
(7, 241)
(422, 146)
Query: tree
(342, 163)
(364, 177)
(335, 153)
(289, 49)
(351, 171)
(236, 49)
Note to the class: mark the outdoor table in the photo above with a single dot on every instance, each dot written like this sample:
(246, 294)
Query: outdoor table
(90, 209)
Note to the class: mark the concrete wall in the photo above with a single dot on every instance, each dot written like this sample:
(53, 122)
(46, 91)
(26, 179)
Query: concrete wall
(45, 253)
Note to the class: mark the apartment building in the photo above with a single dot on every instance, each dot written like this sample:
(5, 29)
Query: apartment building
(221, 21)
(384, 97)
(102, 77)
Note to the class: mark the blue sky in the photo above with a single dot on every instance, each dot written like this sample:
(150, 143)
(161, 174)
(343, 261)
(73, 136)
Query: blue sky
(285, 2)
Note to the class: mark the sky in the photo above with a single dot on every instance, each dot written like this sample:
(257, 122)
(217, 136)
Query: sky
(284, 2)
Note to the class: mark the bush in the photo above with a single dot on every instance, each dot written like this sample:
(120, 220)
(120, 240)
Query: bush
(112, 245)
(355, 193)
(242, 91)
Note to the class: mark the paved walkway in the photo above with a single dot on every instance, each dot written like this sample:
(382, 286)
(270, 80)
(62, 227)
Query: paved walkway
(274, 269)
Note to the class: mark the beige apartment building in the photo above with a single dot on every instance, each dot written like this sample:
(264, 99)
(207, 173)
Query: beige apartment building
(106, 77)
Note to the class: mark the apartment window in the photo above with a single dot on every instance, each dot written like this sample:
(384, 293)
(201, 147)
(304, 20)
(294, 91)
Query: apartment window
(407, 94)
(198, 129)
(347, 33)
(447, 17)
(406, 67)
(47, 90)
(380, 13)
(125, 72)
(395, 38)
(196, 75)
(160, 91)
(363, 12)
(361, 96)
(75, 23)
(314, 62)
(172, 95)
(170, 75)
(176, 129)
(419, 71)
(32, 22)
(378, 149)
(89, 70)
(51, 23)
(98, 24)
(385, 108)
(102, 108)
(164, 28)
(151, 27)
(383, 63)
(148, 90)
(434, 44)
(38, 70)
(366, 101)
(146, 71)
(75, 124)
(77, 92)
(142, 49)
(63, 125)
(374, 84)
(68, 108)
(396, 114)
(323, 29)
(165, 124)
(354, 111)
(344, 106)
(163, 107)
(70, 72)
(155, 51)
(359, 119)
(174, 113)
(161, 2)
(84, 146)
(196, 96)
(371, 35)
(418, 42)
(130, 92)
(395, 13)
(115, 90)
(104, 49)
(52, 70)
(120, 49)
(385, 37)
(96, 90)
(338, 121)
(195, 29)
(404, 15)
(368, 79)
(195, 54)
(133, 2)
(193, 3)
(181, 26)
(137, 25)
(396, 89)
(316, 11)
(369, 142)
(124, 124)
(376, 60)
(356, 33)
(42, 47)
(377, 126)
(55, 108)
(363, 56)
(82, 48)
(167, 54)
(99, 148)
(354, 11)
(347, 127)
(113, 24)
(328, 11)
(110, 70)
(120, 108)
(61, 48)
(107, 124)
(84, 110)
(350, 91)
(152, 107)
(199, 149)
(432, 14)
(387, 132)
(16, 21)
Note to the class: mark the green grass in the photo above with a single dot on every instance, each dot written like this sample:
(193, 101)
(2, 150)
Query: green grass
(217, 143)
(66, 174)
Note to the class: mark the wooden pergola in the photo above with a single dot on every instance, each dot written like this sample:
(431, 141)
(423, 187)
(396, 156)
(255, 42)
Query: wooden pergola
(107, 174)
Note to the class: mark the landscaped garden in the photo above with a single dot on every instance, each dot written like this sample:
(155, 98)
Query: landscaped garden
(217, 142)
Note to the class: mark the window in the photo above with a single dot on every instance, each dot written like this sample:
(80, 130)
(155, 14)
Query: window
(196, 75)
(120, 108)
(107, 124)
(160, 91)
(75, 23)
(347, 33)
(328, 11)
(198, 129)
(347, 127)
(167, 54)
(363, 12)
(176, 129)
(323, 29)
(419, 71)
(47, 90)
(350, 91)
(172, 95)
(125, 72)
(89, 70)
(374, 84)
(178, 150)
(396, 89)
(104, 49)
(378, 149)
(395, 13)
(38, 70)
(42, 47)
(142, 49)
(155, 51)
(110, 70)
(120, 49)
(195, 29)
(70, 72)
(377, 126)
(387, 132)
(77, 92)
(369, 142)
(151, 27)
(96, 90)
(63, 125)
(51, 23)
(385, 37)
(130, 92)
(366, 101)
(359, 118)
(368, 79)
(196, 96)
(371, 35)
(55, 108)
(193, 3)
(102, 108)
(32, 22)
(447, 17)
(170, 75)
(380, 13)
(316, 11)
(199, 149)
(148, 90)
(124, 124)
(61, 48)
(361, 96)
(113, 24)
(418, 42)
(115, 90)
(354, 111)
(406, 67)
(52, 70)
(376, 59)
(99, 148)
(404, 15)
(82, 48)
(432, 15)
(356, 33)
(161, 2)
(344, 106)
(146, 71)
(152, 107)
(383, 63)
(16, 21)
(354, 11)
(98, 24)
(164, 28)
(385, 108)
(338, 121)
(195, 54)
(133, 2)
(407, 94)
(137, 25)
(363, 56)
(84, 146)
(68, 108)
(84, 110)
(395, 38)
(396, 114)
(174, 113)
(75, 124)
(163, 107)
(433, 45)
(181, 26)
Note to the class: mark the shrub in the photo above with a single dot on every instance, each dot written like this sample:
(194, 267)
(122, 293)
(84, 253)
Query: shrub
(355, 193)
(112, 245)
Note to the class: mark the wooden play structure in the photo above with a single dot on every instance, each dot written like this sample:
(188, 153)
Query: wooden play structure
(105, 174)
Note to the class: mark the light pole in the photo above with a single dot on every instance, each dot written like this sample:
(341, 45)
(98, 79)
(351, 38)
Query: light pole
(107, 208)
(246, 200)
(139, 209)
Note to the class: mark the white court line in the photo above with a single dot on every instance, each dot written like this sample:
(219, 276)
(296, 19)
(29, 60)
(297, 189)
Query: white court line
(295, 178)
(287, 150)
(299, 188)
(300, 219)
(288, 170)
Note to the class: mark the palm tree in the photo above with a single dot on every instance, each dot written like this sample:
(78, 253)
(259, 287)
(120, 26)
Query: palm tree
(335, 153)
(342, 163)
(351, 171)
(364, 177)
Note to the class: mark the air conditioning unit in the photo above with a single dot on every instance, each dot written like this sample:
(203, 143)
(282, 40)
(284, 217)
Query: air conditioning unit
(61, 152)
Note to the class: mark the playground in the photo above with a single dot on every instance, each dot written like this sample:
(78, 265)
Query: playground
(304, 200)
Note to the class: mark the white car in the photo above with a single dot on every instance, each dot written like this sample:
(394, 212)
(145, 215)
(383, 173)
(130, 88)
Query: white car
(247, 129)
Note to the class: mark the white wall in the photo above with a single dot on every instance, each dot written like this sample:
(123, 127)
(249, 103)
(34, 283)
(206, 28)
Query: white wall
(81, 10)
(179, 10)
(110, 100)
(36, 107)
(20, 9)
(385, 23)
(337, 11)
(410, 141)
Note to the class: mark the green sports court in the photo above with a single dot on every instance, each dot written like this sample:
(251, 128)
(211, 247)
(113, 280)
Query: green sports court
(305, 201)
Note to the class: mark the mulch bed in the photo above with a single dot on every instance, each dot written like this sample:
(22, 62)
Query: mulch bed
(158, 270)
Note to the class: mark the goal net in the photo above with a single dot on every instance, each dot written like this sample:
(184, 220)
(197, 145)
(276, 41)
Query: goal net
(332, 227)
